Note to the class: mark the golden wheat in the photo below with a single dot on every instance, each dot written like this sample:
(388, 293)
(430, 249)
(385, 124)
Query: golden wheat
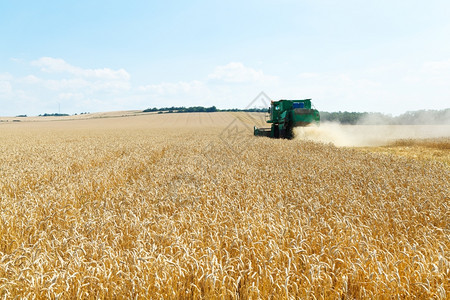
(162, 206)
(420, 149)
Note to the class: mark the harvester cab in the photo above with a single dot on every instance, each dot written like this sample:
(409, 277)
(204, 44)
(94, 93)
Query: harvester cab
(284, 115)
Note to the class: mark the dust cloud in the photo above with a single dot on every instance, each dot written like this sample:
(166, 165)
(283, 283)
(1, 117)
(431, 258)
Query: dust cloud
(420, 117)
(368, 135)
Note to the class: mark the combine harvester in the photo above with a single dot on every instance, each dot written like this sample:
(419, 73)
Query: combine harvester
(284, 115)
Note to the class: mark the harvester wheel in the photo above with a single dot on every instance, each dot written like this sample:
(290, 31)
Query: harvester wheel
(280, 133)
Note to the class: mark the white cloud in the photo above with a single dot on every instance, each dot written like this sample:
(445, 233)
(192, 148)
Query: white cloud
(57, 65)
(30, 79)
(430, 74)
(332, 91)
(167, 88)
(393, 88)
(71, 96)
(75, 88)
(78, 89)
(66, 84)
(437, 66)
(436, 72)
(180, 93)
(236, 72)
(227, 86)
(86, 80)
(5, 87)
(78, 84)
(309, 75)
(5, 84)
(5, 76)
(335, 83)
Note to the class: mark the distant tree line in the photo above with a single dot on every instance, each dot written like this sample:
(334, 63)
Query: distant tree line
(54, 115)
(182, 109)
(419, 117)
(247, 109)
(424, 117)
(342, 117)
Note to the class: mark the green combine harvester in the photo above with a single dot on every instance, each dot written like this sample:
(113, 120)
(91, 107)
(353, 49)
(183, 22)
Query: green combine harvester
(284, 115)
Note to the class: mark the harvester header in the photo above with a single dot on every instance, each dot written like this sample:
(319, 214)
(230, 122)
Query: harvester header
(284, 115)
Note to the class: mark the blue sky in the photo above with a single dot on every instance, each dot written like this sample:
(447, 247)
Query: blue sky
(90, 56)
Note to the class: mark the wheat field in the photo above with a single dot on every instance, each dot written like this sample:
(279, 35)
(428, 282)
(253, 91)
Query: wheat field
(192, 206)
